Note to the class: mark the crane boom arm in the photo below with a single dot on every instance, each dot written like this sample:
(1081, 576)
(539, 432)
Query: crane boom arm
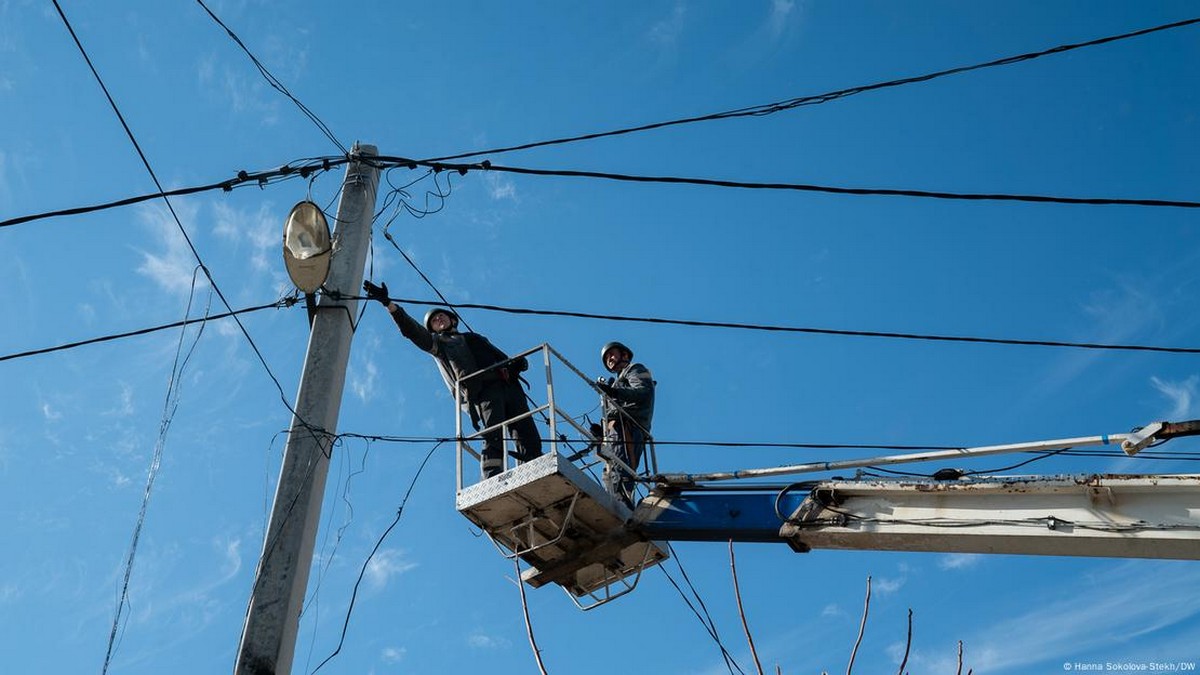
(1128, 516)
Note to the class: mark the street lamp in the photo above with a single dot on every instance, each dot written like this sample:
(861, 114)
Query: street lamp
(307, 250)
(306, 246)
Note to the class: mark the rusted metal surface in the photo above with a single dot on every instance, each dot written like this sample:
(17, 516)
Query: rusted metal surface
(1108, 515)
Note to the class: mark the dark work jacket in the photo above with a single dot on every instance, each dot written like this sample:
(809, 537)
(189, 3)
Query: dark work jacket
(456, 354)
(633, 391)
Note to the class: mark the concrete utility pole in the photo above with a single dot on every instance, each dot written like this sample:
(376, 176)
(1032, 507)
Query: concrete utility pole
(269, 636)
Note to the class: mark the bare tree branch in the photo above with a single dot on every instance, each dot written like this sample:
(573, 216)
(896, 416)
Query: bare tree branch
(959, 671)
(738, 594)
(907, 644)
(537, 653)
(861, 627)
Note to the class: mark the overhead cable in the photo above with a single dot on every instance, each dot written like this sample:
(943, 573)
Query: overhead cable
(367, 562)
(243, 178)
(805, 187)
(288, 302)
(1163, 455)
(705, 619)
(276, 83)
(170, 405)
(264, 178)
(788, 104)
(811, 330)
(179, 223)
(143, 331)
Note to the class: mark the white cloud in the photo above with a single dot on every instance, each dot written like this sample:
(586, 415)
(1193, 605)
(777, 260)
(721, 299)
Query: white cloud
(87, 312)
(227, 328)
(1113, 315)
(667, 31)
(5, 192)
(1181, 395)
(259, 229)
(246, 93)
(1135, 603)
(386, 563)
(116, 477)
(393, 654)
(500, 187)
(777, 22)
(363, 383)
(885, 586)
(364, 373)
(50, 413)
(832, 610)
(124, 405)
(171, 266)
(959, 561)
(479, 640)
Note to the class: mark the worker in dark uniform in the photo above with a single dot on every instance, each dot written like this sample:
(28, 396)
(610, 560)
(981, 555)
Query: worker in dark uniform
(491, 397)
(628, 405)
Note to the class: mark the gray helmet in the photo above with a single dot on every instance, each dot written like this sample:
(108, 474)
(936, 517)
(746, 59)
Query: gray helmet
(440, 310)
(617, 345)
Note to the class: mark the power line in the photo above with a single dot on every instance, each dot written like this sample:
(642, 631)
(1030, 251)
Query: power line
(1165, 455)
(805, 187)
(388, 235)
(811, 330)
(264, 178)
(170, 405)
(144, 331)
(275, 83)
(153, 176)
(788, 104)
(705, 619)
(363, 571)
(288, 302)
(243, 178)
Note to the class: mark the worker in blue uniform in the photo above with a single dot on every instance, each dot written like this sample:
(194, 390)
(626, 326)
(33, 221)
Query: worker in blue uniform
(628, 405)
(491, 397)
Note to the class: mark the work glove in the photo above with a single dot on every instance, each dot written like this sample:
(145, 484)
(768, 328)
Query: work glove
(377, 293)
(595, 430)
(604, 385)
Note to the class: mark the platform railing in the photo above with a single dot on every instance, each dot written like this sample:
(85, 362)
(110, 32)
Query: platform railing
(550, 417)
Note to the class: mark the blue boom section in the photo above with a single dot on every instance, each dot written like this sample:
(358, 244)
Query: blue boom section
(716, 515)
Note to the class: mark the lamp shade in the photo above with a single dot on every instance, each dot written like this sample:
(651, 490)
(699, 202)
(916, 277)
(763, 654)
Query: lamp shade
(306, 246)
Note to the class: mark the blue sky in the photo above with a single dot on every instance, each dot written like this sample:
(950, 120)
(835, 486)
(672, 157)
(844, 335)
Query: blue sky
(79, 427)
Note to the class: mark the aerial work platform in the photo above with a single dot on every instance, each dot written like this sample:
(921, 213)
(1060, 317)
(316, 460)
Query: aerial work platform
(551, 512)
(557, 519)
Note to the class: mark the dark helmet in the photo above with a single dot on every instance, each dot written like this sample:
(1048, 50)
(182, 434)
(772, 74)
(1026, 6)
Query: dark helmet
(615, 345)
(440, 310)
